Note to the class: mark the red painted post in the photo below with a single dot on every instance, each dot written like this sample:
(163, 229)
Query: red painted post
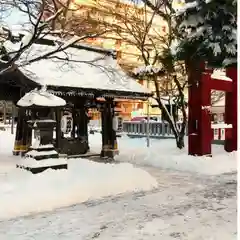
(204, 128)
(193, 98)
(231, 112)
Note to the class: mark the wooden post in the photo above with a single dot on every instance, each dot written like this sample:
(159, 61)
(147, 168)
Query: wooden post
(19, 133)
(231, 102)
(199, 118)
(104, 129)
(193, 115)
(109, 139)
(58, 128)
(13, 116)
(204, 128)
(4, 112)
(73, 133)
(82, 125)
(26, 133)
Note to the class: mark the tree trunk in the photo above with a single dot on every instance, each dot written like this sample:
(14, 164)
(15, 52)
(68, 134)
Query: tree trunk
(180, 142)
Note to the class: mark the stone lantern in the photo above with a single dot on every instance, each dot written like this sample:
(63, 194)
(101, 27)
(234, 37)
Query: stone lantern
(42, 154)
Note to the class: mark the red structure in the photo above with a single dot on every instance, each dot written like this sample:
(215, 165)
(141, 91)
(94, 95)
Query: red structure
(199, 118)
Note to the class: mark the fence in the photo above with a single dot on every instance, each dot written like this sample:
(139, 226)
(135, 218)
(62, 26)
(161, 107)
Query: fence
(156, 129)
(161, 130)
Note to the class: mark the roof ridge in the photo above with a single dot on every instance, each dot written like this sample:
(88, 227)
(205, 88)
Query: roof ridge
(46, 40)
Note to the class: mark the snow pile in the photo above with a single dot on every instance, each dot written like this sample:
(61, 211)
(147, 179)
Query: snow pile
(164, 154)
(6, 141)
(41, 98)
(23, 193)
(32, 163)
(84, 180)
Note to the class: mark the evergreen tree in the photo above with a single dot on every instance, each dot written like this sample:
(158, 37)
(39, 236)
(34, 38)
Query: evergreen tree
(208, 31)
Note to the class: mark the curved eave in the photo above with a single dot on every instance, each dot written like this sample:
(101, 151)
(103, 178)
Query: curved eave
(80, 92)
(90, 92)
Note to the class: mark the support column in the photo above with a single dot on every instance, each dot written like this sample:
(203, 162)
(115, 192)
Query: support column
(199, 118)
(231, 112)
(193, 114)
(58, 128)
(23, 138)
(109, 139)
(204, 126)
(27, 133)
(73, 133)
(82, 128)
(19, 133)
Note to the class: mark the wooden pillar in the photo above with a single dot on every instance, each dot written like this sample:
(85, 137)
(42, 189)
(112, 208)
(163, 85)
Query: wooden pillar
(109, 139)
(13, 118)
(4, 112)
(58, 128)
(204, 127)
(82, 124)
(26, 133)
(231, 112)
(23, 137)
(104, 130)
(193, 117)
(199, 117)
(19, 133)
(73, 133)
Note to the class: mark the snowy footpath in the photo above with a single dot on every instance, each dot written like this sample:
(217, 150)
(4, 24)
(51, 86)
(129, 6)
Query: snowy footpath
(155, 193)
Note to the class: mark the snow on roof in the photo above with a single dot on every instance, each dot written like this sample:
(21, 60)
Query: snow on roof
(40, 98)
(77, 68)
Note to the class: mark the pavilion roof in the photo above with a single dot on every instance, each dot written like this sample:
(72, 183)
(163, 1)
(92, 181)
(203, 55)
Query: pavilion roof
(79, 70)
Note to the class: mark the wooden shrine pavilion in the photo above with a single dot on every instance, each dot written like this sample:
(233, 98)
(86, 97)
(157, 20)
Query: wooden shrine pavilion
(80, 75)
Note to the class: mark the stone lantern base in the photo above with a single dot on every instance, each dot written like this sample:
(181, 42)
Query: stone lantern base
(42, 155)
(42, 158)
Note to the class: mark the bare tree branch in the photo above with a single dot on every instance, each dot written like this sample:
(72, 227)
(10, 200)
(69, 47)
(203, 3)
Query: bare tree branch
(44, 17)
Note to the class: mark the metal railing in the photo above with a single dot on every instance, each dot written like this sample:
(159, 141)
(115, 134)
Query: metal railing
(156, 129)
(161, 129)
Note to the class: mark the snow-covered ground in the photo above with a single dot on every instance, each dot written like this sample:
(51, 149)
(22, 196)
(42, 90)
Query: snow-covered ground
(164, 154)
(84, 180)
(155, 193)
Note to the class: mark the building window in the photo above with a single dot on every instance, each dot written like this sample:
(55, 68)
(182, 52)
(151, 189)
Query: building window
(140, 105)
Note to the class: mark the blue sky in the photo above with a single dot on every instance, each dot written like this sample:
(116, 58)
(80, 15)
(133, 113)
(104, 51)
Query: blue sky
(14, 17)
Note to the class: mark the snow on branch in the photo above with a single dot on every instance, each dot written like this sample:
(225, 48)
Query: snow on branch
(149, 69)
(183, 8)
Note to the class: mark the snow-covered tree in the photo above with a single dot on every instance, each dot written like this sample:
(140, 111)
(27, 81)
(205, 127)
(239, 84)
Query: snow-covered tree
(208, 29)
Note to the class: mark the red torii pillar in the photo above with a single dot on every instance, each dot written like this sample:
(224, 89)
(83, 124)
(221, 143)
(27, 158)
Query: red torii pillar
(231, 102)
(199, 106)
